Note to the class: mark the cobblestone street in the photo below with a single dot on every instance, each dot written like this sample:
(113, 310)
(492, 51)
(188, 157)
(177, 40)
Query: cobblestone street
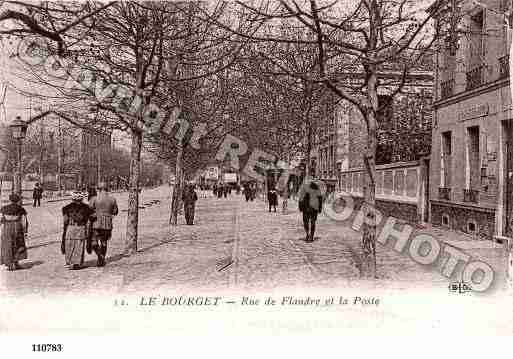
(234, 245)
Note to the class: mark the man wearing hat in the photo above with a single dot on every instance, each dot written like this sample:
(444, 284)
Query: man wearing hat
(37, 194)
(105, 208)
(77, 217)
(189, 198)
(310, 203)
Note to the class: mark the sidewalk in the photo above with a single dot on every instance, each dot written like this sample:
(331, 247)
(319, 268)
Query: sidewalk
(400, 266)
(47, 199)
(454, 238)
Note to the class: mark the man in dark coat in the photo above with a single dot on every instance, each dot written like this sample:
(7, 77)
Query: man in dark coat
(253, 191)
(310, 204)
(189, 198)
(247, 191)
(37, 194)
(272, 198)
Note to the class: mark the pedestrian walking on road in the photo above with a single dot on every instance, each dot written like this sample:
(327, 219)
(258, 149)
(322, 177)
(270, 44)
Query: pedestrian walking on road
(189, 198)
(37, 194)
(14, 231)
(310, 204)
(77, 218)
(272, 198)
(247, 192)
(285, 199)
(105, 208)
(253, 192)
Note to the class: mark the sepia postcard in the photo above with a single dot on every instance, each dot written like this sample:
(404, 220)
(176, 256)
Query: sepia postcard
(198, 169)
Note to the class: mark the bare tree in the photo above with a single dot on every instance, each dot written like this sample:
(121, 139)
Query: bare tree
(112, 76)
(356, 43)
(196, 62)
(48, 20)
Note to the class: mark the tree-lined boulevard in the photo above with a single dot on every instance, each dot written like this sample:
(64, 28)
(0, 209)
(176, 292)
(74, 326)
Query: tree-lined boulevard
(182, 82)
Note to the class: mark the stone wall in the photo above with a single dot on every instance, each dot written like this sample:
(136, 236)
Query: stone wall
(460, 218)
(403, 211)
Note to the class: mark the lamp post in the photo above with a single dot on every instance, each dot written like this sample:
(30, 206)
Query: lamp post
(19, 131)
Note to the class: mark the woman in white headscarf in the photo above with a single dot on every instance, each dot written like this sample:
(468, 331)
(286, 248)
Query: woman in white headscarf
(77, 217)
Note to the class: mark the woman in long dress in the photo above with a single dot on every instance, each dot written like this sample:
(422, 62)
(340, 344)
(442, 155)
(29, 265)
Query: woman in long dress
(14, 229)
(77, 217)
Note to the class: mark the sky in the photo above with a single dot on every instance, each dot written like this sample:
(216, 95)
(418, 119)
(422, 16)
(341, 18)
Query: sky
(16, 104)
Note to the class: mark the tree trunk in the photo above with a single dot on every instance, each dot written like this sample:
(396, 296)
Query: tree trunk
(59, 160)
(176, 200)
(41, 154)
(308, 152)
(368, 268)
(133, 194)
(99, 163)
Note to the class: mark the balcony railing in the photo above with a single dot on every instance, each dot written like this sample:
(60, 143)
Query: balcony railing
(470, 195)
(447, 88)
(474, 78)
(444, 193)
(504, 66)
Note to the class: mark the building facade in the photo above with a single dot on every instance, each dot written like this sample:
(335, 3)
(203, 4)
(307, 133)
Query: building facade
(471, 167)
(404, 134)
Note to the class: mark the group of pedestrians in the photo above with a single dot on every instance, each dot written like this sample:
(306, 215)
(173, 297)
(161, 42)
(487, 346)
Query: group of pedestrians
(221, 190)
(86, 227)
(249, 191)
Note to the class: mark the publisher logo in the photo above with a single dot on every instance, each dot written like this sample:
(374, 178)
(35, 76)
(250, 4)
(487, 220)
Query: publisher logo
(460, 287)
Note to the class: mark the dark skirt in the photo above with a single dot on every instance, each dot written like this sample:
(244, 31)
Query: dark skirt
(13, 243)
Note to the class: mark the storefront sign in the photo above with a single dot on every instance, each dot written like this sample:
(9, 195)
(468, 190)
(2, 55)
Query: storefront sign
(230, 177)
(474, 111)
(212, 173)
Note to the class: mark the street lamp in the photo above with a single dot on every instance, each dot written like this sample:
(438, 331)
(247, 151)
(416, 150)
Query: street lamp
(19, 132)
